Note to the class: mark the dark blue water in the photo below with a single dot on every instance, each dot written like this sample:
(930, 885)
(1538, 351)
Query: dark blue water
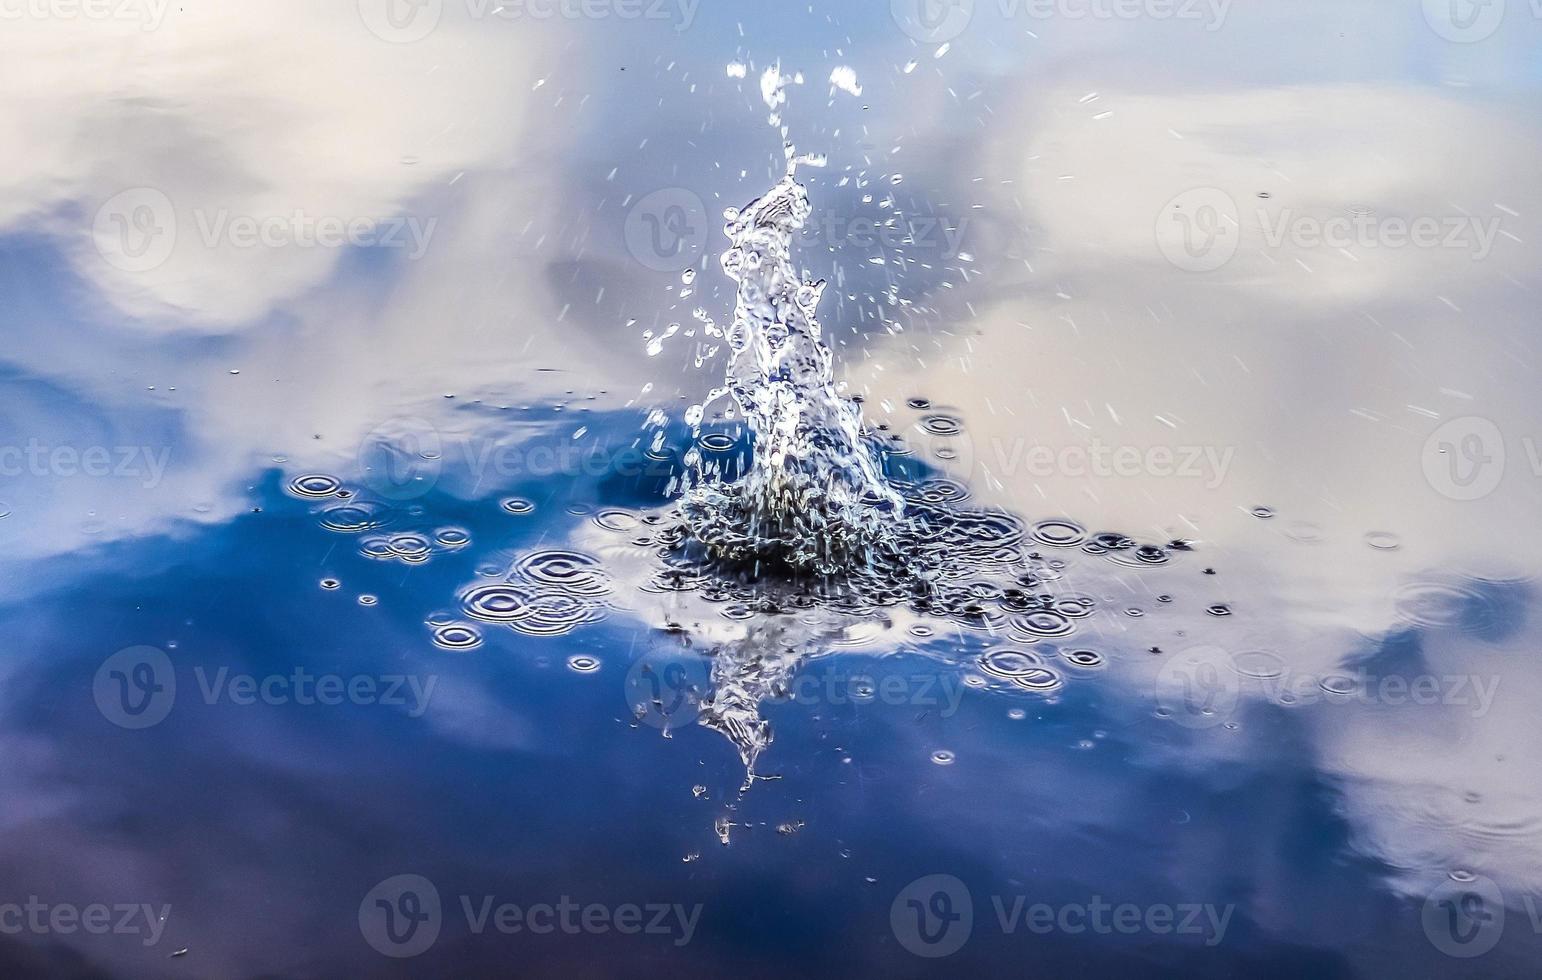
(252, 725)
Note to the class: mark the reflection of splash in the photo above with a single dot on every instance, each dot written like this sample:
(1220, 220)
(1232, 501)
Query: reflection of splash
(753, 669)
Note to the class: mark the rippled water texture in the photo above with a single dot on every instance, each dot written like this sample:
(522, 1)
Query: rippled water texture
(846, 474)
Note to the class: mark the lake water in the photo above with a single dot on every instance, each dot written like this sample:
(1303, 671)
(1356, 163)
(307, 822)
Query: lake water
(349, 353)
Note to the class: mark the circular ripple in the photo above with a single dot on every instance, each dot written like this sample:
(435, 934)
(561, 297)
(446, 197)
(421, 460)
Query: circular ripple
(1085, 659)
(501, 602)
(583, 664)
(1010, 663)
(410, 547)
(1383, 541)
(518, 505)
(1043, 623)
(941, 425)
(1075, 606)
(453, 537)
(457, 637)
(555, 613)
(617, 519)
(314, 485)
(360, 515)
(1439, 605)
(1059, 533)
(569, 571)
(716, 442)
(1038, 680)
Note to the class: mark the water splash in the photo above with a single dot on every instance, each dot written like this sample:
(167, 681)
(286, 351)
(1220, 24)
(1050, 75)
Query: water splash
(814, 498)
